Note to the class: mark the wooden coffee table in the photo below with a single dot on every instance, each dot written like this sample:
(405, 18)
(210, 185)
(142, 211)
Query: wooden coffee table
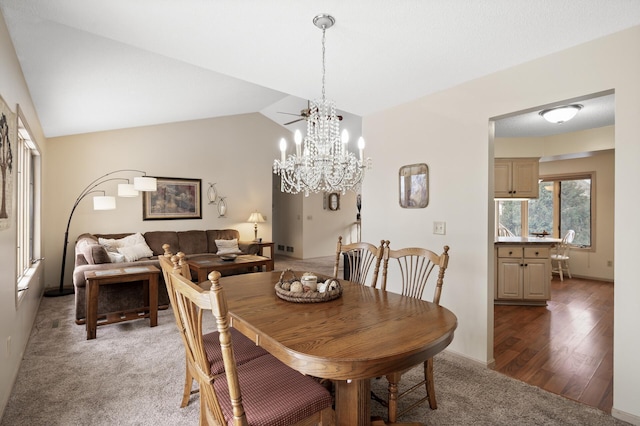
(205, 264)
(147, 274)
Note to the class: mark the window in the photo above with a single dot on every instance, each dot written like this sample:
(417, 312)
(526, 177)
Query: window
(565, 202)
(27, 167)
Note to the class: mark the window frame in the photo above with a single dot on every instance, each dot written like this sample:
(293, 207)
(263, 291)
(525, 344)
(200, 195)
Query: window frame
(555, 179)
(28, 172)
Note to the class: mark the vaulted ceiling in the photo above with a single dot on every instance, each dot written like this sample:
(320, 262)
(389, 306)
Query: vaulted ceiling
(94, 65)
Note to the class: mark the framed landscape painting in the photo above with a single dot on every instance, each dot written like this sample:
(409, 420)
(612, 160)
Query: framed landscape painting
(414, 186)
(175, 198)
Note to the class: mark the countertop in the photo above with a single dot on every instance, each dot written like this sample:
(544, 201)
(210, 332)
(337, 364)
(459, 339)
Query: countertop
(526, 240)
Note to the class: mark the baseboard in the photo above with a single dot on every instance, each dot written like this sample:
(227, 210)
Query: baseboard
(469, 359)
(624, 416)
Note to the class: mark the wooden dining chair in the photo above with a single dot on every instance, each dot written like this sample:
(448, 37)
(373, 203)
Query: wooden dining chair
(263, 391)
(246, 350)
(560, 259)
(418, 268)
(360, 260)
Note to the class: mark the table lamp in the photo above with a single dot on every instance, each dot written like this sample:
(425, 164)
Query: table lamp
(255, 218)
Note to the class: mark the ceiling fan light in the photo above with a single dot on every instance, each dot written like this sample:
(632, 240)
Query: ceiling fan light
(561, 114)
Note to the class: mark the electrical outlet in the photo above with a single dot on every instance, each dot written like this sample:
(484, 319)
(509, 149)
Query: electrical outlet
(439, 228)
(9, 347)
(609, 263)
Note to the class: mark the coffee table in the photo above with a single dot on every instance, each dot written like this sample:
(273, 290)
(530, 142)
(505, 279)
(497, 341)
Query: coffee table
(207, 263)
(147, 274)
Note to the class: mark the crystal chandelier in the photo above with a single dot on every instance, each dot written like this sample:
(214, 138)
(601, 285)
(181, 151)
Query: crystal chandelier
(321, 161)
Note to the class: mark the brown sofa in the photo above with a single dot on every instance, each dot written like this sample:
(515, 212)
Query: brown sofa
(91, 256)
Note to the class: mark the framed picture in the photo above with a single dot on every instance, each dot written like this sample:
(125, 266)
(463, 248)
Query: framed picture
(414, 186)
(8, 142)
(332, 201)
(175, 198)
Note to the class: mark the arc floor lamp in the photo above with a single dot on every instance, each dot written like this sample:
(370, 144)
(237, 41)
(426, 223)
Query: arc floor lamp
(103, 202)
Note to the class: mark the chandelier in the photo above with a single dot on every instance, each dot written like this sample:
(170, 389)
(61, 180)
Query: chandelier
(321, 161)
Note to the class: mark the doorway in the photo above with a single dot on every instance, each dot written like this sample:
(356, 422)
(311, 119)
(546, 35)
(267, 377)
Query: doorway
(525, 339)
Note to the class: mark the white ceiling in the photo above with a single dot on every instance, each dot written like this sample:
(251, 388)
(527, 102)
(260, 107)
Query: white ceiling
(94, 65)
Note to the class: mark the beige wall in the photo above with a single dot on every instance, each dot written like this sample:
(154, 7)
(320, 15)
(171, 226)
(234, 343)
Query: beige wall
(15, 320)
(232, 152)
(450, 132)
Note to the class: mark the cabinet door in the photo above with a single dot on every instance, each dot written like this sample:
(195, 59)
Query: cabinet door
(536, 279)
(509, 279)
(502, 178)
(525, 179)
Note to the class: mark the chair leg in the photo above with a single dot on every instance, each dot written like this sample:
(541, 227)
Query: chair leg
(560, 270)
(566, 262)
(188, 382)
(392, 410)
(431, 390)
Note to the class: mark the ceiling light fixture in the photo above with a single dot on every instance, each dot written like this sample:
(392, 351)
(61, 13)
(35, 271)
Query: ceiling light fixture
(561, 114)
(321, 161)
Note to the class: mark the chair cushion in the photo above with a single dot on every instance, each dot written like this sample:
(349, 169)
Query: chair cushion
(273, 394)
(243, 348)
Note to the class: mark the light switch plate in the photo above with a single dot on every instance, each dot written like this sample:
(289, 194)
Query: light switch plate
(439, 228)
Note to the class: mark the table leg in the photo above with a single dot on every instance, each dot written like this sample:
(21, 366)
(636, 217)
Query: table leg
(352, 402)
(91, 313)
(153, 300)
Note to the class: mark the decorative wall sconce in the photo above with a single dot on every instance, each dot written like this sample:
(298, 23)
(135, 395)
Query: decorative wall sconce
(214, 198)
(222, 206)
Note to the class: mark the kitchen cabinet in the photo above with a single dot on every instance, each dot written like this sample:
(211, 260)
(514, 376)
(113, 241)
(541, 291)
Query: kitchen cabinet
(516, 177)
(523, 271)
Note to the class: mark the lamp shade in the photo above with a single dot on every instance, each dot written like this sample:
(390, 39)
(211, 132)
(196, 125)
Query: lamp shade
(127, 190)
(561, 114)
(145, 183)
(104, 202)
(256, 217)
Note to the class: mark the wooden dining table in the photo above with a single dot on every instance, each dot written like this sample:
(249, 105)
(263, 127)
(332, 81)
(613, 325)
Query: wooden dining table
(363, 334)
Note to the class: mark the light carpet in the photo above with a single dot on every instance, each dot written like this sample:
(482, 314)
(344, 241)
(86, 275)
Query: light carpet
(133, 375)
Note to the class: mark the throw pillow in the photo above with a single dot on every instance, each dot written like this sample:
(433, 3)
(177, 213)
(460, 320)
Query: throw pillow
(116, 257)
(228, 246)
(135, 252)
(110, 244)
(95, 254)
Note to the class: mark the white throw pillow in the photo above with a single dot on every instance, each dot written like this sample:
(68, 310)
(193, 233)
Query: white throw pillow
(112, 245)
(135, 252)
(116, 257)
(228, 246)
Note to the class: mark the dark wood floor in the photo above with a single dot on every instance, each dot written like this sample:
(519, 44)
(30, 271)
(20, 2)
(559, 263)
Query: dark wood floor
(565, 347)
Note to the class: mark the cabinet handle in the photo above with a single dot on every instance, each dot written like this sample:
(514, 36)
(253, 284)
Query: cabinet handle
(537, 253)
(526, 264)
(510, 253)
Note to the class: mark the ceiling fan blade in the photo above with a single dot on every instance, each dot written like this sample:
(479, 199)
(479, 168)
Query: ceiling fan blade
(294, 121)
(288, 113)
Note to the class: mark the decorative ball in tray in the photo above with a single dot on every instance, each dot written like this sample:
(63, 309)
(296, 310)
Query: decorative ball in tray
(228, 257)
(307, 289)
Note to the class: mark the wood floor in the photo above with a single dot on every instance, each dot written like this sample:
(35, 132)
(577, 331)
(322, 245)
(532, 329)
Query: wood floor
(565, 347)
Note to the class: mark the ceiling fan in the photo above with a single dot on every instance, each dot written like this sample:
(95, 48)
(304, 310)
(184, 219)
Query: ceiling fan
(304, 114)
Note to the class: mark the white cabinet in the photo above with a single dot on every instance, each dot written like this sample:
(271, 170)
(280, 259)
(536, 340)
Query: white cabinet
(523, 274)
(516, 177)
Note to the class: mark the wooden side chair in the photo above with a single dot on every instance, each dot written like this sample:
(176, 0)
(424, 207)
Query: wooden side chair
(246, 350)
(263, 391)
(418, 267)
(560, 259)
(360, 259)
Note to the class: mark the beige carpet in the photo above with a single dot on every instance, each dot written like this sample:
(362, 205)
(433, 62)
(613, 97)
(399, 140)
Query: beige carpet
(133, 375)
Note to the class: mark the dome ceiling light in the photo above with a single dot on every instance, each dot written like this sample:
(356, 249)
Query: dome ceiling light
(561, 114)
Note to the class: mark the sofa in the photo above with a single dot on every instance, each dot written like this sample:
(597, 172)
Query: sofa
(99, 252)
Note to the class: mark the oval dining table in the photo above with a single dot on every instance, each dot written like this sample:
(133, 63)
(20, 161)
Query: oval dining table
(363, 334)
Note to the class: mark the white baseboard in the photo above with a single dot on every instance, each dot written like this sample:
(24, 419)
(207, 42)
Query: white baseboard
(467, 358)
(624, 416)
